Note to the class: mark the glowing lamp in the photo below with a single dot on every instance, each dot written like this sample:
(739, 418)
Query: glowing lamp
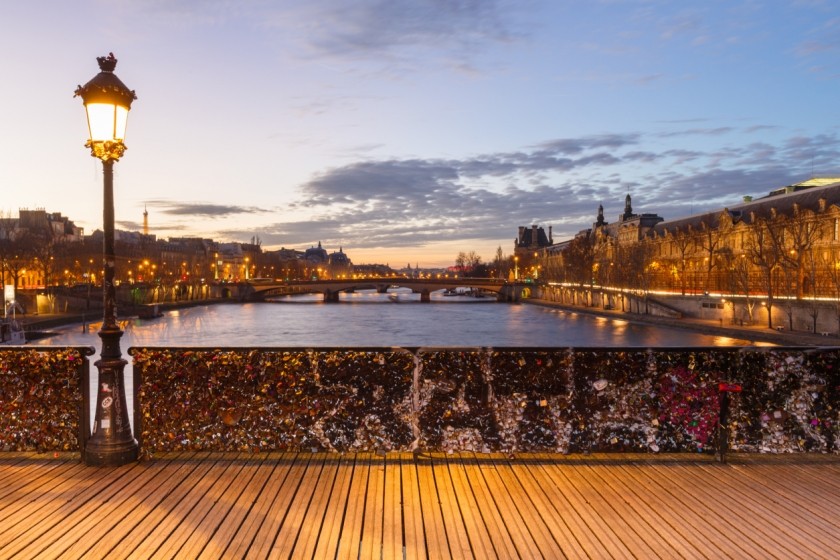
(107, 101)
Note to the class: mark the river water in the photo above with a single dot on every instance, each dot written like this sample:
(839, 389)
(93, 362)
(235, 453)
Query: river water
(395, 319)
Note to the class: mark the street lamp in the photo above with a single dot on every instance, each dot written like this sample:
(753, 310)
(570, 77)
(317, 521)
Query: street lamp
(107, 102)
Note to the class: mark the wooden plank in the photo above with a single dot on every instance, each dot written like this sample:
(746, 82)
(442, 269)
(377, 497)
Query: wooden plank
(392, 519)
(79, 531)
(22, 514)
(276, 469)
(327, 544)
(453, 521)
(704, 515)
(114, 530)
(19, 476)
(693, 484)
(800, 524)
(730, 490)
(371, 544)
(437, 545)
(477, 531)
(525, 505)
(34, 479)
(538, 505)
(602, 522)
(656, 527)
(145, 520)
(677, 514)
(287, 537)
(349, 542)
(503, 544)
(808, 487)
(165, 538)
(635, 536)
(415, 538)
(517, 526)
(223, 510)
(32, 523)
(580, 539)
(227, 532)
(204, 514)
(277, 513)
(680, 505)
(313, 522)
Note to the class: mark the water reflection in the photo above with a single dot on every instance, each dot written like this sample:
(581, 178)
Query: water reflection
(359, 324)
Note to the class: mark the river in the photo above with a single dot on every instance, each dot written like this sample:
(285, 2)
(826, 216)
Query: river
(395, 319)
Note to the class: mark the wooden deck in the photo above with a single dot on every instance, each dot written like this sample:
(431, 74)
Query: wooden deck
(398, 506)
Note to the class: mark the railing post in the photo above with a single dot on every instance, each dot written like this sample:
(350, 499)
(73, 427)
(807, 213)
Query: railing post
(723, 417)
(84, 386)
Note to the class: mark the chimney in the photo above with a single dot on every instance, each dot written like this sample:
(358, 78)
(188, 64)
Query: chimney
(534, 236)
(550, 239)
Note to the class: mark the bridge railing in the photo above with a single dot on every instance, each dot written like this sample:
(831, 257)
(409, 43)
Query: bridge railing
(564, 400)
(44, 404)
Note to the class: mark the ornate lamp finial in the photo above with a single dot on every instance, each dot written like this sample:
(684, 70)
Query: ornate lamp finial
(107, 63)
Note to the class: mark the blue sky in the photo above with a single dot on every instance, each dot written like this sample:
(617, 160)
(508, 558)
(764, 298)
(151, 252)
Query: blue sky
(406, 131)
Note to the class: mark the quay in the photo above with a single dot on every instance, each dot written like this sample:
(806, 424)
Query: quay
(400, 505)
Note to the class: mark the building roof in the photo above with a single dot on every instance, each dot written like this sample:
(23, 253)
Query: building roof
(806, 194)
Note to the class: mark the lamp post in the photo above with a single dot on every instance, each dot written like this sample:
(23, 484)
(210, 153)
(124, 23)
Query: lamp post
(107, 102)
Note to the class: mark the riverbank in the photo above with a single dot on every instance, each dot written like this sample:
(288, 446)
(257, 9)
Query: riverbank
(753, 333)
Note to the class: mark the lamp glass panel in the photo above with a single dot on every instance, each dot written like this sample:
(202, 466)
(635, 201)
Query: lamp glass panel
(120, 122)
(107, 122)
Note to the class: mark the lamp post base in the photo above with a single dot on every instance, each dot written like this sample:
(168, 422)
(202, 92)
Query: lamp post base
(112, 442)
(111, 455)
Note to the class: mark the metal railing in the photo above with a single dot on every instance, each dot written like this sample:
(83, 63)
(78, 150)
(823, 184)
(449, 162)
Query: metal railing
(567, 400)
(44, 401)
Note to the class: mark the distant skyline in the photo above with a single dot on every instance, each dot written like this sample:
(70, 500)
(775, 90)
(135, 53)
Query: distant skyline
(406, 131)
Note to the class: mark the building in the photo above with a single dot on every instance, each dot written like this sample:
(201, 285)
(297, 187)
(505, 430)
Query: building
(785, 245)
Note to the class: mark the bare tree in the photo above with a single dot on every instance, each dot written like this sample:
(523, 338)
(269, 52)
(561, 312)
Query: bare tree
(801, 231)
(765, 250)
(740, 283)
(708, 240)
(500, 263)
(468, 263)
(638, 263)
(579, 258)
(831, 268)
(684, 244)
(15, 256)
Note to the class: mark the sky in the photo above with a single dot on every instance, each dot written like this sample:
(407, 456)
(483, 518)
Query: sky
(406, 131)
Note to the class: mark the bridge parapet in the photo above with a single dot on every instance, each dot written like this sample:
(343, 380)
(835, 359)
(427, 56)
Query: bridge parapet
(505, 291)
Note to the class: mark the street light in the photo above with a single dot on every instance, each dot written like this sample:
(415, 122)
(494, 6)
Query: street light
(107, 102)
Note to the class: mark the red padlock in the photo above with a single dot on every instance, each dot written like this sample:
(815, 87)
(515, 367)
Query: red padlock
(729, 388)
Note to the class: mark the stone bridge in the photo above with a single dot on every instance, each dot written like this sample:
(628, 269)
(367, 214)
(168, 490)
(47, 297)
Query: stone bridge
(259, 290)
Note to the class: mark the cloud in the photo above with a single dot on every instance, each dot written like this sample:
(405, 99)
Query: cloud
(201, 209)
(699, 131)
(355, 28)
(577, 145)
